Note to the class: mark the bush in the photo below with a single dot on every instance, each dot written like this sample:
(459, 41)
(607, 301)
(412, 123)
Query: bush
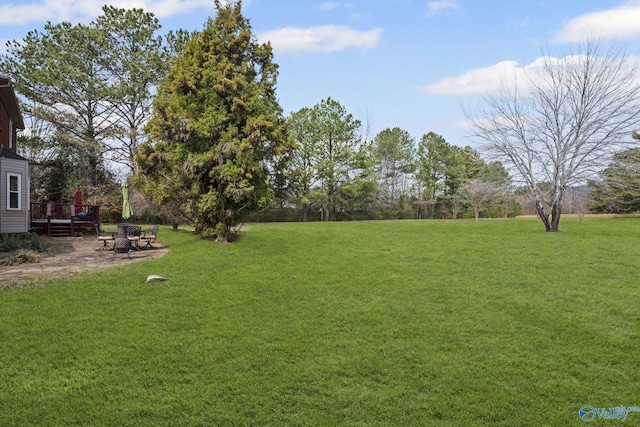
(10, 242)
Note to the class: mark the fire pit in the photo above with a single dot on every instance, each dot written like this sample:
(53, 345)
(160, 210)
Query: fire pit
(122, 243)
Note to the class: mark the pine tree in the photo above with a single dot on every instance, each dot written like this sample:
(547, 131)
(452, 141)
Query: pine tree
(217, 126)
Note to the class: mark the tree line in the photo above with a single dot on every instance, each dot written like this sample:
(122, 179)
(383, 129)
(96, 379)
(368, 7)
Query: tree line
(194, 120)
(336, 173)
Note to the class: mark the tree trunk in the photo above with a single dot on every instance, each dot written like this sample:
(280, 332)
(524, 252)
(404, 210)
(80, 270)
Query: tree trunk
(551, 225)
(506, 204)
(556, 211)
(544, 217)
(223, 227)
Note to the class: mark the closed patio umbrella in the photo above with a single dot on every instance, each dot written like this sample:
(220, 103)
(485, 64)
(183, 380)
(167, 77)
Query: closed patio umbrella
(78, 199)
(77, 208)
(127, 212)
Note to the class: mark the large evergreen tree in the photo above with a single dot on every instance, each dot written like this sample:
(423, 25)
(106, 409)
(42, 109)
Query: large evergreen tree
(330, 169)
(618, 190)
(136, 61)
(302, 167)
(217, 126)
(441, 171)
(433, 150)
(394, 153)
(60, 74)
(335, 133)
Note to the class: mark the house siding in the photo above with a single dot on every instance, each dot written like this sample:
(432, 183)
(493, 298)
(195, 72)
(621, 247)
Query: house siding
(14, 221)
(8, 132)
(4, 125)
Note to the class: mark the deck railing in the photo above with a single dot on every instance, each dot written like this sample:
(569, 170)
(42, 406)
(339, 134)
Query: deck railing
(68, 218)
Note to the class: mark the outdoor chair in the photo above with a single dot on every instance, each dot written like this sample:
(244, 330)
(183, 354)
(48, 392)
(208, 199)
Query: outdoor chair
(105, 237)
(151, 237)
(133, 234)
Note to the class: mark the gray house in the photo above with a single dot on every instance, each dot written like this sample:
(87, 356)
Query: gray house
(14, 169)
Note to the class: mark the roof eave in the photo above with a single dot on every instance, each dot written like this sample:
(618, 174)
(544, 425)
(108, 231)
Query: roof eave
(11, 102)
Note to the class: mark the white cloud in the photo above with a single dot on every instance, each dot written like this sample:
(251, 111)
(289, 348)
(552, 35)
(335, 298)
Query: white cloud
(440, 6)
(331, 5)
(476, 81)
(165, 8)
(617, 23)
(505, 74)
(323, 39)
(86, 10)
(23, 13)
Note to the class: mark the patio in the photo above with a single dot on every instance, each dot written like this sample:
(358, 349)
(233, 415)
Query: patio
(72, 255)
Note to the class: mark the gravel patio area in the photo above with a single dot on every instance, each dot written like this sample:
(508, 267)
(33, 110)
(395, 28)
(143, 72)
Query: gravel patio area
(72, 255)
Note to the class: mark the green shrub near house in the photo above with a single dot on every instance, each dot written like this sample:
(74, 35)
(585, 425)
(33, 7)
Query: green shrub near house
(17, 248)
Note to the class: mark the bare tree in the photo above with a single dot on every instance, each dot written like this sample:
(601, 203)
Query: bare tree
(479, 193)
(572, 115)
(576, 201)
(507, 198)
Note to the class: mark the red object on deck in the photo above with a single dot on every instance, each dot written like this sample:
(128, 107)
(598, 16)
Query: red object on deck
(78, 197)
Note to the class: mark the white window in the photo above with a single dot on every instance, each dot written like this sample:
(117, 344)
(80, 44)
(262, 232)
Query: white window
(14, 186)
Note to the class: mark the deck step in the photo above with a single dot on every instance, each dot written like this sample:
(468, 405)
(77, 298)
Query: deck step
(60, 229)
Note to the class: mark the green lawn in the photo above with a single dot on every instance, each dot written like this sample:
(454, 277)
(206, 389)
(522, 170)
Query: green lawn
(357, 324)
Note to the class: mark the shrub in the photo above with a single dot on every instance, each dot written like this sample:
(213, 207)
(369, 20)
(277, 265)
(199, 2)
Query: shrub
(37, 243)
(10, 242)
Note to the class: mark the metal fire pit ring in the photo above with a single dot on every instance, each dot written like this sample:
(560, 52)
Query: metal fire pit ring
(122, 245)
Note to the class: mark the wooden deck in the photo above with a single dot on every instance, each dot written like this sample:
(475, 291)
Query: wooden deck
(57, 219)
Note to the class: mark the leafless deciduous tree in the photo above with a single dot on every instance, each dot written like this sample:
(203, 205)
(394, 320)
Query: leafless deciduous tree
(562, 122)
(479, 193)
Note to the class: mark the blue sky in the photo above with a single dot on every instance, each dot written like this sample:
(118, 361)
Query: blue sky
(412, 64)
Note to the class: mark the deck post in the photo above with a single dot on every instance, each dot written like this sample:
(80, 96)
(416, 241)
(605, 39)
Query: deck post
(72, 211)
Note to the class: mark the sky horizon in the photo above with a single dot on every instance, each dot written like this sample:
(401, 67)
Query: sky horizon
(410, 64)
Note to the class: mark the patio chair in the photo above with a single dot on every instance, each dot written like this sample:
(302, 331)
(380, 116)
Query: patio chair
(105, 238)
(133, 234)
(148, 238)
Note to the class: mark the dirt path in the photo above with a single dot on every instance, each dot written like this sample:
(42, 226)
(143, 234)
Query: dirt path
(72, 255)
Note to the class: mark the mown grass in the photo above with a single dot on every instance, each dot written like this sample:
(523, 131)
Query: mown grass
(365, 323)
